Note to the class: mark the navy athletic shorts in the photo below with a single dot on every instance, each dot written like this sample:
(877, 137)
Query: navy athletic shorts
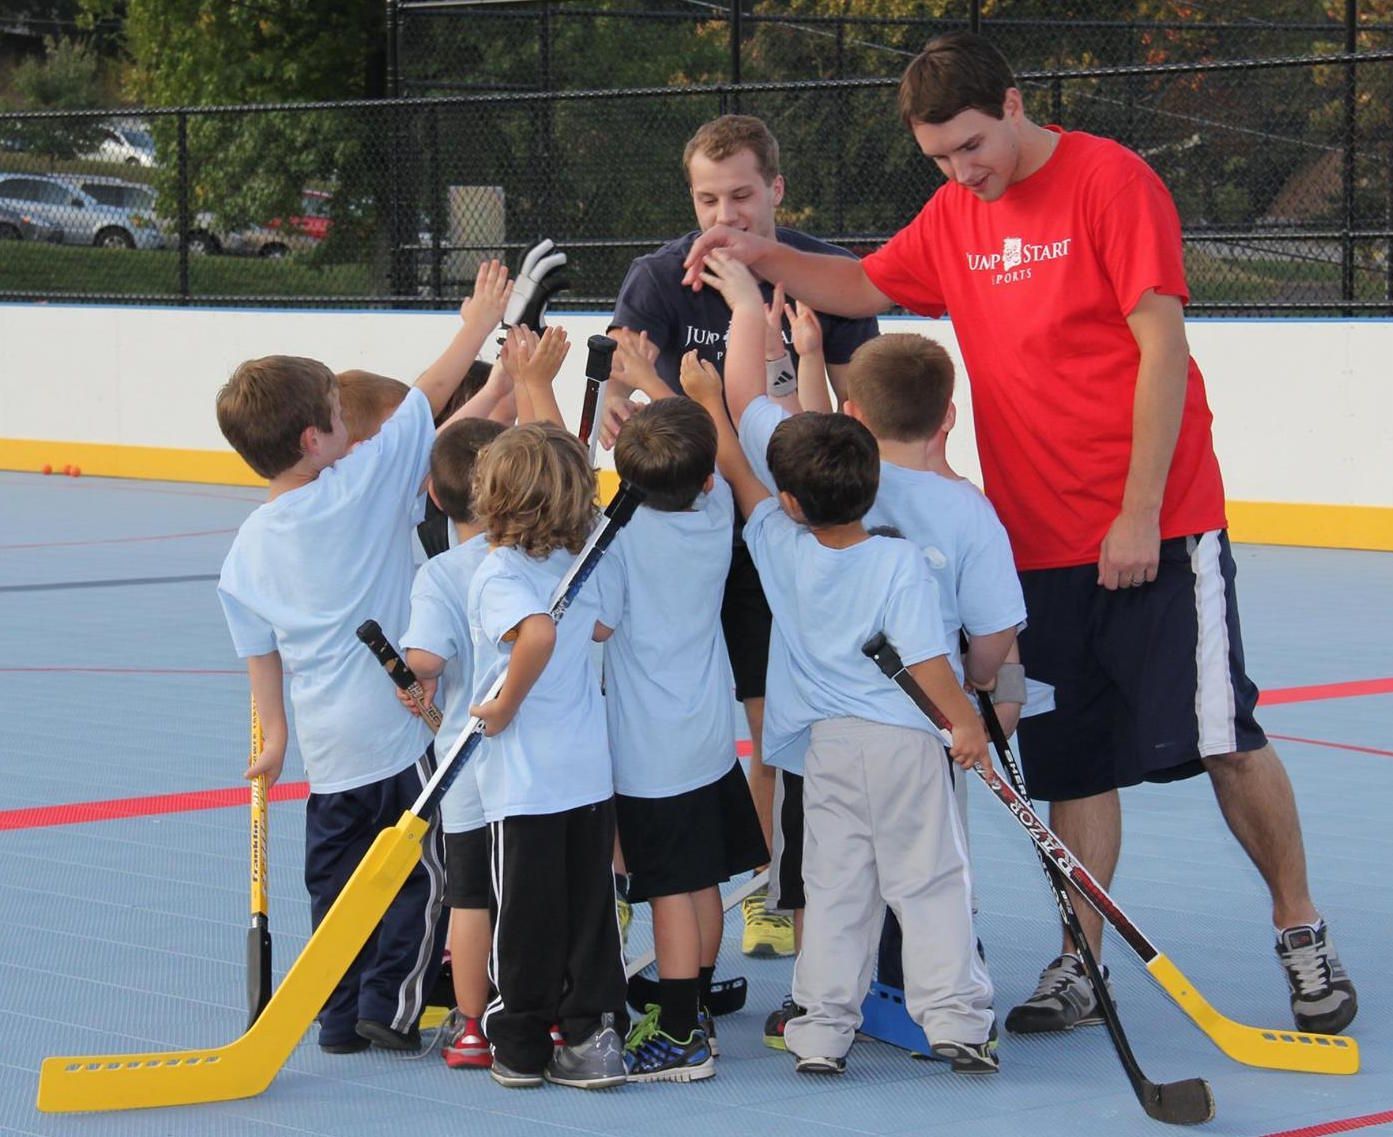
(1146, 680)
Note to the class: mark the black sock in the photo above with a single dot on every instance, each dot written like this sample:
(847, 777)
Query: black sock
(678, 999)
(704, 978)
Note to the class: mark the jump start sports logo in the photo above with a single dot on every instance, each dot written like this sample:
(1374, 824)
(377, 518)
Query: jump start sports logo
(1017, 256)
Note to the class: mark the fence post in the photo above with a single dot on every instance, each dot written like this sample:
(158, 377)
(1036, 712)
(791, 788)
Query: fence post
(184, 223)
(843, 113)
(735, 54)
(437, 218)
(1347, 171)
(545, 124)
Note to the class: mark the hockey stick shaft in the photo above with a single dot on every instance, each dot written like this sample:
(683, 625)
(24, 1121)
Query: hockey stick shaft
(1186, 1102)
(1253, 1046)
(259, 931)
(598, 365)
(376, 641)
(728, 901)
(248, 1064)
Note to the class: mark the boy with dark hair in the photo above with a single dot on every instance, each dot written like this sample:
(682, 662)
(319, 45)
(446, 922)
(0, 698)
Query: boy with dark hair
(331, 546)
(880, 825)
(438, 649)
(686, 819)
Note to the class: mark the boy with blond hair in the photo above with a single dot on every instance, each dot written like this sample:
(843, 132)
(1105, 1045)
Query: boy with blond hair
(328, 548)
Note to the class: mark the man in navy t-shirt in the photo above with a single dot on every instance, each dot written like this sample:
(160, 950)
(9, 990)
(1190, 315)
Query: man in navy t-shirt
(732, 167)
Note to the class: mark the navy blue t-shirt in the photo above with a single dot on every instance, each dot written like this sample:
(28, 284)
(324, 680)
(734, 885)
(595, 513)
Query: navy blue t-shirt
(653, 299)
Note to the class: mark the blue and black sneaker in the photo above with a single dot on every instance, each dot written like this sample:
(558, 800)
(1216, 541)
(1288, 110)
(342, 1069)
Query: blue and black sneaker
(651, 1055)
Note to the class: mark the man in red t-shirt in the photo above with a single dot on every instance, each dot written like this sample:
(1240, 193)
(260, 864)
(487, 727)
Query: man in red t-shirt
(1058, 255)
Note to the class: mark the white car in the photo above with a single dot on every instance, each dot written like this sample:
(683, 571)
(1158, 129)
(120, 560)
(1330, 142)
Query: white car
(123, 142)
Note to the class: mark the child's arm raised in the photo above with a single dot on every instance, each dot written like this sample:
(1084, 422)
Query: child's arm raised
(635, 356)
(480, 315)
(700, 381)
(534, 639)
(812, 363)
(939, 683)
(534, 362)
(265, 674)
(744, 369)
(494, 400)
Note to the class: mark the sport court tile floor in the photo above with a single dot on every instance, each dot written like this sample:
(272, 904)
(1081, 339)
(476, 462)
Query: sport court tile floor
(117, 681)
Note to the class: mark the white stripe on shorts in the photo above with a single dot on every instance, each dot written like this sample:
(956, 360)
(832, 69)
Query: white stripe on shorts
(1214, 701)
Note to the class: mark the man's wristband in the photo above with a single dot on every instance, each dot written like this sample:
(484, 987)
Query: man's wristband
(1010, 684)
(780, 378)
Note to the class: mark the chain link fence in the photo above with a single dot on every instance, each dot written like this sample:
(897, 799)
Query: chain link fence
(1281, 161)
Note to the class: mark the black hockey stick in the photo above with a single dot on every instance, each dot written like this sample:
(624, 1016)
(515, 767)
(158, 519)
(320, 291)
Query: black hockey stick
(597, 368)
(1267, 1047)
(376, 641)
(1186, 1102)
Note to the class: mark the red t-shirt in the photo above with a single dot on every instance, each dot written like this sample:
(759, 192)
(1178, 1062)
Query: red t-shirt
(1039, 284)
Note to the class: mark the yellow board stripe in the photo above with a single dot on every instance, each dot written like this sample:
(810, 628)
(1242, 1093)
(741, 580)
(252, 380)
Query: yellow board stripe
(1255, 522)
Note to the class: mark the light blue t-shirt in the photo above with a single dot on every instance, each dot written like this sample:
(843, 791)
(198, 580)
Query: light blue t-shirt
(310, 566)
(668, 683)
(554, 755)
(827, 603)
(954, 525)
(440, 625)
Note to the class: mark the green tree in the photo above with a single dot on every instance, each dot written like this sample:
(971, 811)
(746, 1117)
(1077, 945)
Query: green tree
(64, 79)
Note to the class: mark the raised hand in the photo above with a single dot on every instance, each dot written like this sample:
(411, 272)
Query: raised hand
(774, 324)
(736, 243)
(701, 380)
(492, 290)
(633, 363)
(806, 328)
(533, 359)
(540, 277)
(732, 280)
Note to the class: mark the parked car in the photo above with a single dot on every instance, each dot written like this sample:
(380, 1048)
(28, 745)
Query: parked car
(125, 142)
(276, 238)
(118, 219)
(19, 225)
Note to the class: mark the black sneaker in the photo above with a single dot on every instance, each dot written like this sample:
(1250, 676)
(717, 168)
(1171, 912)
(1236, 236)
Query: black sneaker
(1322, 996)
(968, 1057)
(774, 1025)
(653, 1055)
(380, 1034)
(1062, 1000)
(596, 1063)
(816, 1064)
(348, 1046)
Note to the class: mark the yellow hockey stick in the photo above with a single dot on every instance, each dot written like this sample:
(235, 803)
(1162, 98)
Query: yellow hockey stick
(248, 1065)
(259, 932)
(1251, 1045)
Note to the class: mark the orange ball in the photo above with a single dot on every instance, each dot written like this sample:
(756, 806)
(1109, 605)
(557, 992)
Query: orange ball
(46, 469)
(68, 469)
(76, 471)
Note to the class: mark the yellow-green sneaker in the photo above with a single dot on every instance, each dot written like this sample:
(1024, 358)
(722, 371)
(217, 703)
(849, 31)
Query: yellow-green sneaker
(766, 933)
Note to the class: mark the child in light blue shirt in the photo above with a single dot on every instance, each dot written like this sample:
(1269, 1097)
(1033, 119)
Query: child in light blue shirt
(544, 770)
(439, 650)
(329, 548)
(686, 819)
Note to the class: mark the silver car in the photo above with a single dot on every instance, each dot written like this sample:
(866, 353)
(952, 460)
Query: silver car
(18, 225)
(106, 212)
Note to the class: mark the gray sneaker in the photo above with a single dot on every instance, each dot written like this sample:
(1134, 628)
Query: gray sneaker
(1322, 996)
(597, 1063)
(1062, 1000)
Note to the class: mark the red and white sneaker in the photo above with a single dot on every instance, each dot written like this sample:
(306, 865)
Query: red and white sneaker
(557, 1038)
(465, 1044)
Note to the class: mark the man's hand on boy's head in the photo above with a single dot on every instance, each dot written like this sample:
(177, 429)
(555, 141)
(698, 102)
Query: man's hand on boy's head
(736, 243)
(700, 379)
(492, 289)
(806, 328)
(732, 280)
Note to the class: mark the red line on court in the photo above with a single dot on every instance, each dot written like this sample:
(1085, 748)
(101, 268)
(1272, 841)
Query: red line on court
(120, 540)
(1326, 691)
(1333, 745)
(116, 809)
(1344, 1125)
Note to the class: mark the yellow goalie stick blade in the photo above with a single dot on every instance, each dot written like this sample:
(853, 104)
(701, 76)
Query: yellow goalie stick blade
(247, 1065)
(1257, 1046)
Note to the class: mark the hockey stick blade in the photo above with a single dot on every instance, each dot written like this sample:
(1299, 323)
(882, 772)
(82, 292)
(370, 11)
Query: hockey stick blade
(1187, 1102)
(1253, 1046)
(247, 1065)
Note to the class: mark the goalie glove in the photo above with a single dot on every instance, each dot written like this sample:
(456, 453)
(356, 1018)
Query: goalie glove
(538, 280)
